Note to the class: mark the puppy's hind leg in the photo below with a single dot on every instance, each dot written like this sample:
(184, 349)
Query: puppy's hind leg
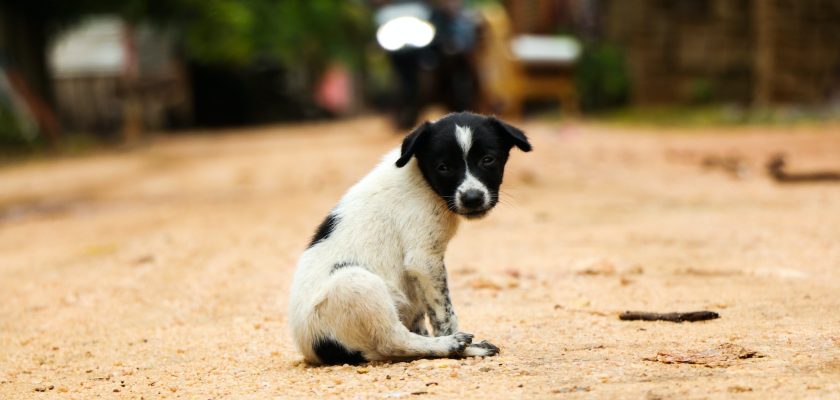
(418, 324)
(358, 316)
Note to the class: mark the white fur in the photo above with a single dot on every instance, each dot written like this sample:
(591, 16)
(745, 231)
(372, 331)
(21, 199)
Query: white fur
(464, 136)
(394, 229)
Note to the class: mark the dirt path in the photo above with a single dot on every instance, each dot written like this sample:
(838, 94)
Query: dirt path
(162, 272)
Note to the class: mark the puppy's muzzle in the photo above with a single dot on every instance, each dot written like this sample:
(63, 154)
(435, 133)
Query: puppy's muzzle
(472, 203)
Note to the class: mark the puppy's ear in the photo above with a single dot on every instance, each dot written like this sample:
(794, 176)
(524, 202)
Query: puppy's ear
(410, 143)
(517, 136)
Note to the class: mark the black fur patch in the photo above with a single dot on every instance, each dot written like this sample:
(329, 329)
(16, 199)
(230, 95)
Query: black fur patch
(332, 352)
(325, 229)
(338, 266)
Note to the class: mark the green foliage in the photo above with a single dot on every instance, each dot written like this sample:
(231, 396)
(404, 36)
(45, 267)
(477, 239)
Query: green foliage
(231, 31)
(480, 3)
(307, 32)
(218, 30)
(14, 137)
(701, 91)
(710, 115)
(602, 78)
(9, 131)
(311, 32)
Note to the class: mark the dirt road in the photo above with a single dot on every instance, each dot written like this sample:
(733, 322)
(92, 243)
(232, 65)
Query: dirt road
(162, 272)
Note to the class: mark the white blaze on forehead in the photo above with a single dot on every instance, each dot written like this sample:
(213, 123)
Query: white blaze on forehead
(464, 136)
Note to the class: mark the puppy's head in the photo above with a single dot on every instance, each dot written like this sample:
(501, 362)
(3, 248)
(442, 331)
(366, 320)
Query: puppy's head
(462, 156)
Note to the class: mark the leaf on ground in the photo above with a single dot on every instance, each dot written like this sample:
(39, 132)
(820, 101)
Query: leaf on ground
(723, 355)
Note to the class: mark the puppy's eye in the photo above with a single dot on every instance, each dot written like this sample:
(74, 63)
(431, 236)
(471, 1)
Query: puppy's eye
(442, 167)
(487, 161)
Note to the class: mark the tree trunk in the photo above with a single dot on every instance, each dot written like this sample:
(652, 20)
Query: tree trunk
(23, 45)
(23, 38)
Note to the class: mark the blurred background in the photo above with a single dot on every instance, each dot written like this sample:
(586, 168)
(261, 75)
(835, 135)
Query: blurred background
(106, 71)
(163, 163)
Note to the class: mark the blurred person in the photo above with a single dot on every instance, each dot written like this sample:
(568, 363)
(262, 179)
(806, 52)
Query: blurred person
(439, 70)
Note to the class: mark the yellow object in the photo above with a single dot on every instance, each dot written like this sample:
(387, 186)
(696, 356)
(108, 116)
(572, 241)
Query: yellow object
(508, 81)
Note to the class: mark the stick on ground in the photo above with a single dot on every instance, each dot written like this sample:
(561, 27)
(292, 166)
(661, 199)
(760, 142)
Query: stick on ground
(672, 317)
(776, 169)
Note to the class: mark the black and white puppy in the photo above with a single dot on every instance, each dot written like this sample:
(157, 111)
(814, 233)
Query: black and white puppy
(374, 269)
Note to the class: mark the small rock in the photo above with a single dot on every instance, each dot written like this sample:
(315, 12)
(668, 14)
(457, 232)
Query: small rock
(494, 283)
(581, 303)
(144, 259)
(598, 267)
(485, 283)
(738, 389)
(484, 369)
(572, 389)
(635, 270)
(445, 363)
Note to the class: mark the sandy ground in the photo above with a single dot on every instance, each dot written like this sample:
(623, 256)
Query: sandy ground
(162, 272)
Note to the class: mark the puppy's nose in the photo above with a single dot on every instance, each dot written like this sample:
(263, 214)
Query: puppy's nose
(472, 198)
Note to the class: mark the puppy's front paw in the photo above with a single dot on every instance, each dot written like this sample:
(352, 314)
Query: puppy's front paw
(461, 342)
(481, 349)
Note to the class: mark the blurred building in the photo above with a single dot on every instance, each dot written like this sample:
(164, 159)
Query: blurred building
(753, 51)
(761, 52)
(109, 76)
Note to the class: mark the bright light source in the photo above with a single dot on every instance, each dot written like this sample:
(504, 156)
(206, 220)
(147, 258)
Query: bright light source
(405, 31)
